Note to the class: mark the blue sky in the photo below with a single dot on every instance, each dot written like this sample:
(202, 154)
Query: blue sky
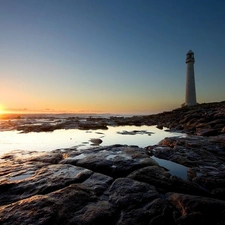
(121, 56)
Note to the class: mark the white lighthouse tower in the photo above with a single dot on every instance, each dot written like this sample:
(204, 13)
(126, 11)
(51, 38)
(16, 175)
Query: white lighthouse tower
(190, 98)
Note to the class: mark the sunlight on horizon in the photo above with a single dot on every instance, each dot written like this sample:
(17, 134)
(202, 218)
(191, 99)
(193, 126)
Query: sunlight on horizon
(5, 111)
(2, 111)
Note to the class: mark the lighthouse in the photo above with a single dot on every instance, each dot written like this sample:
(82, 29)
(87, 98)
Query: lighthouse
(190, 98)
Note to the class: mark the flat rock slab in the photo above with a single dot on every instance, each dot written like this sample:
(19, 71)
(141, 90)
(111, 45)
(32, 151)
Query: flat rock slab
(115, 161)
(41, 181)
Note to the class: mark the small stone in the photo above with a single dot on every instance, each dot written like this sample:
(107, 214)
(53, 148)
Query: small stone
(159, 126)
(96, 141)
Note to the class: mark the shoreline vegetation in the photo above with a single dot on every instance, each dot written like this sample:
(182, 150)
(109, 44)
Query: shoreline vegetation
(119, 184)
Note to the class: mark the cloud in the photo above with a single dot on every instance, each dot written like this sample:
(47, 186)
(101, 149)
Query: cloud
(47, 110)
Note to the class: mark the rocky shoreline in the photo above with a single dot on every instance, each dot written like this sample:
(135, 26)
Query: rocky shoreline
(120, 184)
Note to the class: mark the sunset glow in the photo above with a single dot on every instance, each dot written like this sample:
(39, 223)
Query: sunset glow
(108, 56)
(2, 111)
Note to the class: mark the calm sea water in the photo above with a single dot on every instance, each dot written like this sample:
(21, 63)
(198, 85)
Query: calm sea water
(141, 136)
(59, 139)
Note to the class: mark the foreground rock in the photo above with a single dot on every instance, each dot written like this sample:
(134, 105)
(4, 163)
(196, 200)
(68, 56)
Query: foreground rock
(116, 185)
(197, 210)
(115, 161)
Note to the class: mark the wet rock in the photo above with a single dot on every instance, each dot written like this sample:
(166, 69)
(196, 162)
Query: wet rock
(160, 212)
(114, 161)
(98, 183)
(97, 213)
(164, 182)
(197, 210)
(188, 187)
(21, 156)
(223, 130)
(41, 181)
(159, 126)
(59, 207)
(36, 128)
(134, 132)
(214, 182)
(132, 199)
(96, 141)
(207, 132)
(153, 175)
(188, 119)
(119, 184)
(205, 158)
(126, 193)
(92, 126)
(34, 210)
(191, 150)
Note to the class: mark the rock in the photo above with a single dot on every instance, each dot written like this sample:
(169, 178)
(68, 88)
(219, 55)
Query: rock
(114, 161)
(205, 158)
(21, 156)
(207, 132)
(214, 182)
(98, 183)
(164, 182)
(135, 200)
(213, 123)
(44, 180)
(35, 210)
(134, 132)
(92, 126)
(119, 184)
(153, 175)
(139, 203)
(97, 213)
(59, 207)
(223, 130)
(127, 194)
(203, 126)
(197, 210)
(160, 212)
(159, 126)
(96, 141)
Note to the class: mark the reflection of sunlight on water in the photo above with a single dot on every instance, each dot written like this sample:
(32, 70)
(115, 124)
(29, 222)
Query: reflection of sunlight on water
(47, 141)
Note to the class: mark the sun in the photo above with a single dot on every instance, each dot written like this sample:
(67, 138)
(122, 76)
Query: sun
(2, 111)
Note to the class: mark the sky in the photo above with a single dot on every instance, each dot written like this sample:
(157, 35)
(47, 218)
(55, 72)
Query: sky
(109, 56)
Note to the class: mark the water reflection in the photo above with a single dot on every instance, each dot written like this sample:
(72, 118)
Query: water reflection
(48, 141)
(175, 169)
